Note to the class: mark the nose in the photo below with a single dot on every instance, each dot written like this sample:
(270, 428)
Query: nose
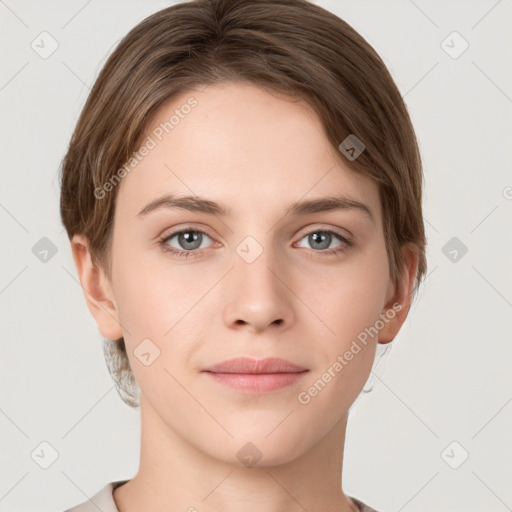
(257, 295)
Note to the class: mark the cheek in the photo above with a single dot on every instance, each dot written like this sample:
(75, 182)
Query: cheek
(154, 316)
(155, 290)
(347, 349)
(351, 297)
(350, 304)
(163, 304)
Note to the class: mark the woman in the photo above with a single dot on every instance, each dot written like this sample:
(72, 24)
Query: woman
(221, 143)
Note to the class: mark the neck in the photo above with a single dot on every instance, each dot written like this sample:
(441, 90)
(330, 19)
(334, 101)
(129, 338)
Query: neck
(175, 475)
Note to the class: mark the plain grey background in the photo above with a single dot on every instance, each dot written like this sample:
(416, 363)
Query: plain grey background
(444, 391)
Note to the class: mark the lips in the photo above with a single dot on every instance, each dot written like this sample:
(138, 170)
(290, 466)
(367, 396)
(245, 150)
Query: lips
(256, 376)
(245, 365)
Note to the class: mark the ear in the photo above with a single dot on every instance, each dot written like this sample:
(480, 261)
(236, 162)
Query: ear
(398, 300)
(97, 289)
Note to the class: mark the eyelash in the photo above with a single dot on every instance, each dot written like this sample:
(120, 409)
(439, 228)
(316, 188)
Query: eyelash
(346, 243)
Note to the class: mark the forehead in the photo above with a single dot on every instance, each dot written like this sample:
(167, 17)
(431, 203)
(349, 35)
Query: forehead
(241, 145)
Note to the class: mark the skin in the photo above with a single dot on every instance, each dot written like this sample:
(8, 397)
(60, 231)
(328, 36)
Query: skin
(257, 153)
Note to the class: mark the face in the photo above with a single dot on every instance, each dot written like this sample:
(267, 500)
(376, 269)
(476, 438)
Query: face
(195, 286)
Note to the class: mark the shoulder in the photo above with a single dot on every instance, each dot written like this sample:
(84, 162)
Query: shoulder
(103, 500)
(362, 506)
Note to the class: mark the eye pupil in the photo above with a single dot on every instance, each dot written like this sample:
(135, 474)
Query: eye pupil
(189, 237)
(321, 238)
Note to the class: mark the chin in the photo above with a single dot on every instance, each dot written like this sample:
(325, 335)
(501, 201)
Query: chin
(254, 448)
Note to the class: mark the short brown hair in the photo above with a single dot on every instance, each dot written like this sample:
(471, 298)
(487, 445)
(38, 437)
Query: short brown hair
(289, 46)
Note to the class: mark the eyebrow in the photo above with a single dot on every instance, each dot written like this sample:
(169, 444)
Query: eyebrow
(202, 205)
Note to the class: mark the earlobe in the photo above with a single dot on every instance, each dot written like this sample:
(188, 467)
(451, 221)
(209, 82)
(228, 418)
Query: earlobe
(97, 290)
(398, 305)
